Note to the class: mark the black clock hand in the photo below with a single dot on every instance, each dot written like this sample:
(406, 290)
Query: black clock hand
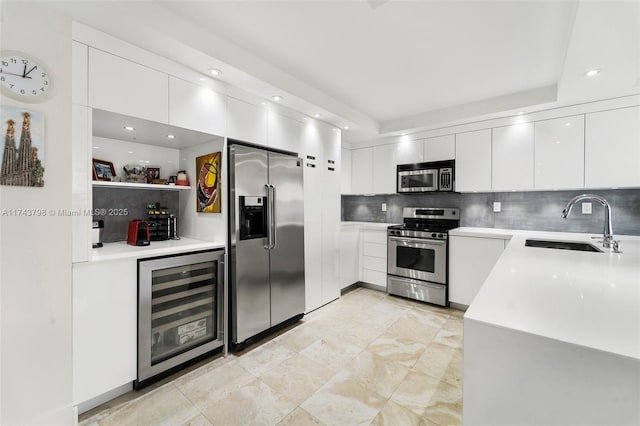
(24, 72)
(25, 68)
(19, 75)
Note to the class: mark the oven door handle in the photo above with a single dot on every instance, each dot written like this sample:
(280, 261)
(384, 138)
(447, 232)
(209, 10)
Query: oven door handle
(407, 241)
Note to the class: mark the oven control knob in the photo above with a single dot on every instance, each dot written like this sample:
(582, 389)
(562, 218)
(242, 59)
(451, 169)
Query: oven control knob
(440, 235)
(433, 235)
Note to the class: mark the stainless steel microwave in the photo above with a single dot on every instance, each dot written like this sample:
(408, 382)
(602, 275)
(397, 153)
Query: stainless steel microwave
(426, 177)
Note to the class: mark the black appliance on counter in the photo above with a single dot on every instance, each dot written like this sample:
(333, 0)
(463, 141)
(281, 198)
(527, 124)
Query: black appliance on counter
(433, 176)
(417, 254)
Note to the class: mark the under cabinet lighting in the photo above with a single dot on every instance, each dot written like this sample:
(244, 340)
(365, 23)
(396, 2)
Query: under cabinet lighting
(171, 136)
(276, 98)
(129, 128)
(592, 73)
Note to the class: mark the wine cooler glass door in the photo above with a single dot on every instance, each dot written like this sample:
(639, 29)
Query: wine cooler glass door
(179, 311)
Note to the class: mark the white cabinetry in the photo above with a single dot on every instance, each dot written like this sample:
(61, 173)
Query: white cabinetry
(559, 153)
(349, 255)
(79, 70)
(246, 121)
(122, 86)
(408, 152)
(362, 171)
(512, 157)
(283, 132)
(345, 170)
(104, 327)
(384, 169)
(471, 259)
(195, 107)
(374, 258)
(612, 148)
(440, 148)
(81, 190)
(321, 152)
(473, 161)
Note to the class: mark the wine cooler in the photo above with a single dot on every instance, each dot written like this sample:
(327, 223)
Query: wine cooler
(180, 303)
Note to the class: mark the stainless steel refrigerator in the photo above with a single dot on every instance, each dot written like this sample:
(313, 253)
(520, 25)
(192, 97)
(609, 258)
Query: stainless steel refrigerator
(266, 233)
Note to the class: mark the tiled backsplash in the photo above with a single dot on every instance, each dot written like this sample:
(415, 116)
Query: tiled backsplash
(539, 211)
(115, 200)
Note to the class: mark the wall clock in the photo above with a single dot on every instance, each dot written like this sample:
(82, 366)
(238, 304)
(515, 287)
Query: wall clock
(24, 77)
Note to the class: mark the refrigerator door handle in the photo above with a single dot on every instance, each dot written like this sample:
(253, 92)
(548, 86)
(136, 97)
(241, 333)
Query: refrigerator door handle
(268, 210)
(274, 232)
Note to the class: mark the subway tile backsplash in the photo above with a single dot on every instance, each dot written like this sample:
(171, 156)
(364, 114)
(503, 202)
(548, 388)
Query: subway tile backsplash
(535, 210)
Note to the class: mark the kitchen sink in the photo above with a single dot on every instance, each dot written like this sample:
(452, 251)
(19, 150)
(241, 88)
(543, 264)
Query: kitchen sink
(563, 245)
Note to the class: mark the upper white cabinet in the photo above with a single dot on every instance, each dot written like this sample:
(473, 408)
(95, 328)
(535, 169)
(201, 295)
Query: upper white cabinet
(79, 70)
(408, 152)
(440, 148)
(512, 157)
(384, 169)
(283, 132)
(195, 107)
(122, 86)
(612, 148)
(362, 171)
(345, 170)
(246, 122)
(559, 153)
(473, 161)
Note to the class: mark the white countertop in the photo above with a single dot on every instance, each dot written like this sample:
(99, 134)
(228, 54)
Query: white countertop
(583, 298)
(122, 250)
(368, 225)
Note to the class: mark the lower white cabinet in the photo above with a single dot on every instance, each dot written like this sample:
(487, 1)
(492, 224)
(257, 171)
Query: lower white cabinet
(349, 255)
(374, 257)
(471, 259)
(104, 327)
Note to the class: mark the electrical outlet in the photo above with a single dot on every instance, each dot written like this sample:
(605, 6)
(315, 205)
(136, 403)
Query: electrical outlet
(586, 208)
(497, 207)
(384, 207)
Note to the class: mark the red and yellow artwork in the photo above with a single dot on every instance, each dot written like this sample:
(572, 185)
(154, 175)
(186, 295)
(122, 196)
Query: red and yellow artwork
(208, 198)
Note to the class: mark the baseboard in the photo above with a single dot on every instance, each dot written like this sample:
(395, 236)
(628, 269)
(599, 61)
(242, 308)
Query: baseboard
(105, 397)
(459, 306)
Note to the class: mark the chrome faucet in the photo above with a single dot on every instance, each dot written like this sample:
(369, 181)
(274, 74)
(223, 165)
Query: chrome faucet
(608, 240)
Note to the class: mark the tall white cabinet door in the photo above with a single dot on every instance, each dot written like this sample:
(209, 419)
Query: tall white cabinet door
(612, 148)
(473, 161)
(246, 122)
(283, 132)
(440, 148)
(195, 107)
(384, 169)
(512, 157)
(81, 189)
(362, 171)
(559, 153)
(330, 189)
(125, 87)
(79, 69)
(409, 152)
(312, 174)
(345, 170)
(104, 327)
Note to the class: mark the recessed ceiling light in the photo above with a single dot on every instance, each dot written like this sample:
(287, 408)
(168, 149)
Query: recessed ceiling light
(215, 71)
(305, 118)
(346, 127)
(520, 112)
(96, 147)
(567, 124)
(557, 142)
(403, 134)
(316, 115)
(592, 73)
(276, 98)
(202, 78)
(263, 103)
(171, 136)
(129, 128)
(129, 152)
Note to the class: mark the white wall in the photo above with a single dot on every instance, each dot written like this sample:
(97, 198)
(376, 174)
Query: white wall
(35, 252)
(203, 226)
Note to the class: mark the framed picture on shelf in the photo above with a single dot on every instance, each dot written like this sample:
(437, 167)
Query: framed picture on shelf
(153, 173)
(103, 170)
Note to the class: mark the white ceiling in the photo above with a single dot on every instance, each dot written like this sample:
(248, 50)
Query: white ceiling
(385, 67)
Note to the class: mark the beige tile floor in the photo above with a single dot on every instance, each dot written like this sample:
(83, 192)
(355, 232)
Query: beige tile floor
(367, 358)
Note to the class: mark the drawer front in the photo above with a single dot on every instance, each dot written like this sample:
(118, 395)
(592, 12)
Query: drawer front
(377, 237)
(375, 250)
(374, 277)
(374, 263)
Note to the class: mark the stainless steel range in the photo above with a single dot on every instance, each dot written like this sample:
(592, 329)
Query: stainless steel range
(417, 265)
